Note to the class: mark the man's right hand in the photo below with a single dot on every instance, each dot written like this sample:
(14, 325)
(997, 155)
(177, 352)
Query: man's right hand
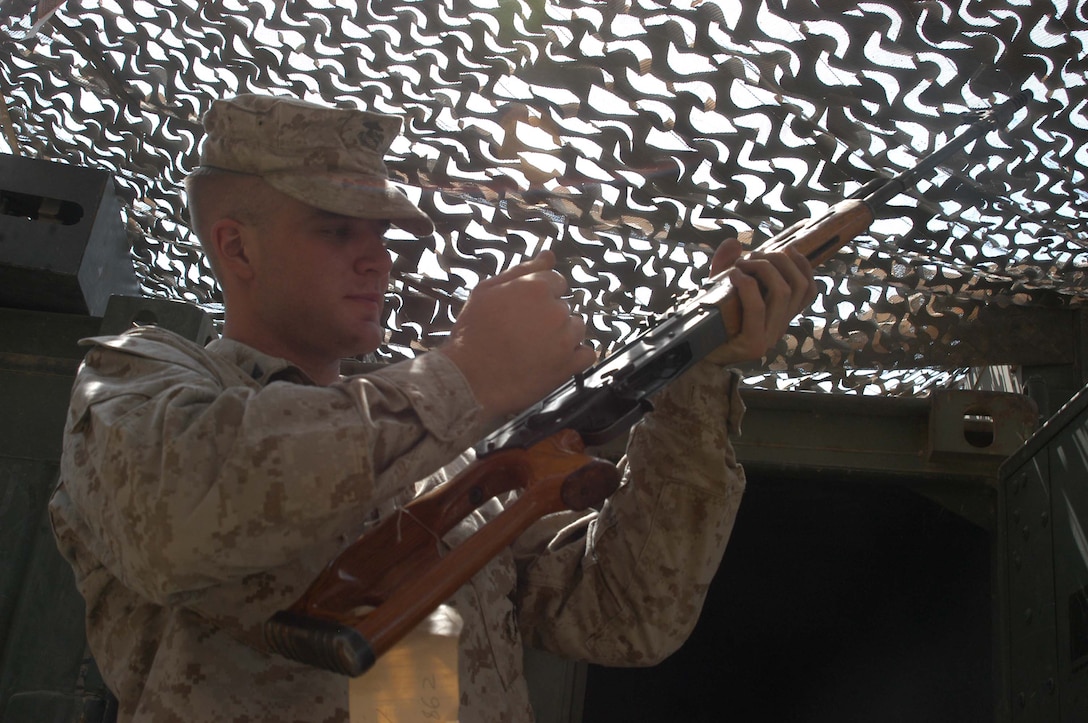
(515, 340)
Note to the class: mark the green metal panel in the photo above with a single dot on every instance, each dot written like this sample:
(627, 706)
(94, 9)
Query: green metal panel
(45, 672)
(836, 512)
(1044, 496)
(1030, 611)
(1069, 520)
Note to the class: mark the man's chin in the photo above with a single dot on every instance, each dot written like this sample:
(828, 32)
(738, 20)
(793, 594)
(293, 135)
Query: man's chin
(367, 342)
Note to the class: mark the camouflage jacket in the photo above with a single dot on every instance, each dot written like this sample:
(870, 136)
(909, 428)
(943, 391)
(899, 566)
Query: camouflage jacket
(203, 489)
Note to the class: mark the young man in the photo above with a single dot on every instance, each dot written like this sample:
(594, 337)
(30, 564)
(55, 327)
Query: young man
(203, 489)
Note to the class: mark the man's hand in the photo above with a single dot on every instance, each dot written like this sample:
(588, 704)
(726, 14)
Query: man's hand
(515, 340)
(772, 288)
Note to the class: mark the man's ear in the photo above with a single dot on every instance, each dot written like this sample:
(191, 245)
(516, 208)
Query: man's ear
(232, 244)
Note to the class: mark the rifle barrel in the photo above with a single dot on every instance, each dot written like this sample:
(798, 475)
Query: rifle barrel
(993, 118)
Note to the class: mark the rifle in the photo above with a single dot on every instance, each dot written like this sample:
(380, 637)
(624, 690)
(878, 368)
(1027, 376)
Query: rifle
(386, 582)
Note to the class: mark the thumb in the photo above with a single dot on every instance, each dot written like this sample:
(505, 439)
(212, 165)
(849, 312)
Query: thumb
(726, 256)
(543, 261)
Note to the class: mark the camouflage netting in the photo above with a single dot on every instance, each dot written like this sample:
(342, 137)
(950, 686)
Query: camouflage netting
(628, 136)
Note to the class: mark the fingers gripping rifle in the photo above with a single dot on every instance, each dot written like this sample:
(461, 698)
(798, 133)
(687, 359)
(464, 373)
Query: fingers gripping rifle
(387, 582)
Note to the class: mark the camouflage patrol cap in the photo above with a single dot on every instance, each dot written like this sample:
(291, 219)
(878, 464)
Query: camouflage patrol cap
(330, 158)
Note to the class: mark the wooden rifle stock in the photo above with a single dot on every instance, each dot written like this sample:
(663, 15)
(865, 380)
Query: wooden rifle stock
(387, 582)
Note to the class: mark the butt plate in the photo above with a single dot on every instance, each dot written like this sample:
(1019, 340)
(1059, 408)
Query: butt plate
(320, 643)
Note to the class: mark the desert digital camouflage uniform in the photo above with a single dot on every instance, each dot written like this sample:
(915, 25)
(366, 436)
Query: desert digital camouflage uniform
(203, 489)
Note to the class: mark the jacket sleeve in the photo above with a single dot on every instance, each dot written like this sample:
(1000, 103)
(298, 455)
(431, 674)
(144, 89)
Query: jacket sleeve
(625, 585)
(181, 481)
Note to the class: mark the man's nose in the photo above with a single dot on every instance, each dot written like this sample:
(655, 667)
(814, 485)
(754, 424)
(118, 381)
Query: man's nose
(373, 256)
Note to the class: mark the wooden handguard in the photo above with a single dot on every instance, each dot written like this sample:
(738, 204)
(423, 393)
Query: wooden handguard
(387, 582)
(817, 238)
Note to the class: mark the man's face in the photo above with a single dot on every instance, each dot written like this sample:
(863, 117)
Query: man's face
(320, 281)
